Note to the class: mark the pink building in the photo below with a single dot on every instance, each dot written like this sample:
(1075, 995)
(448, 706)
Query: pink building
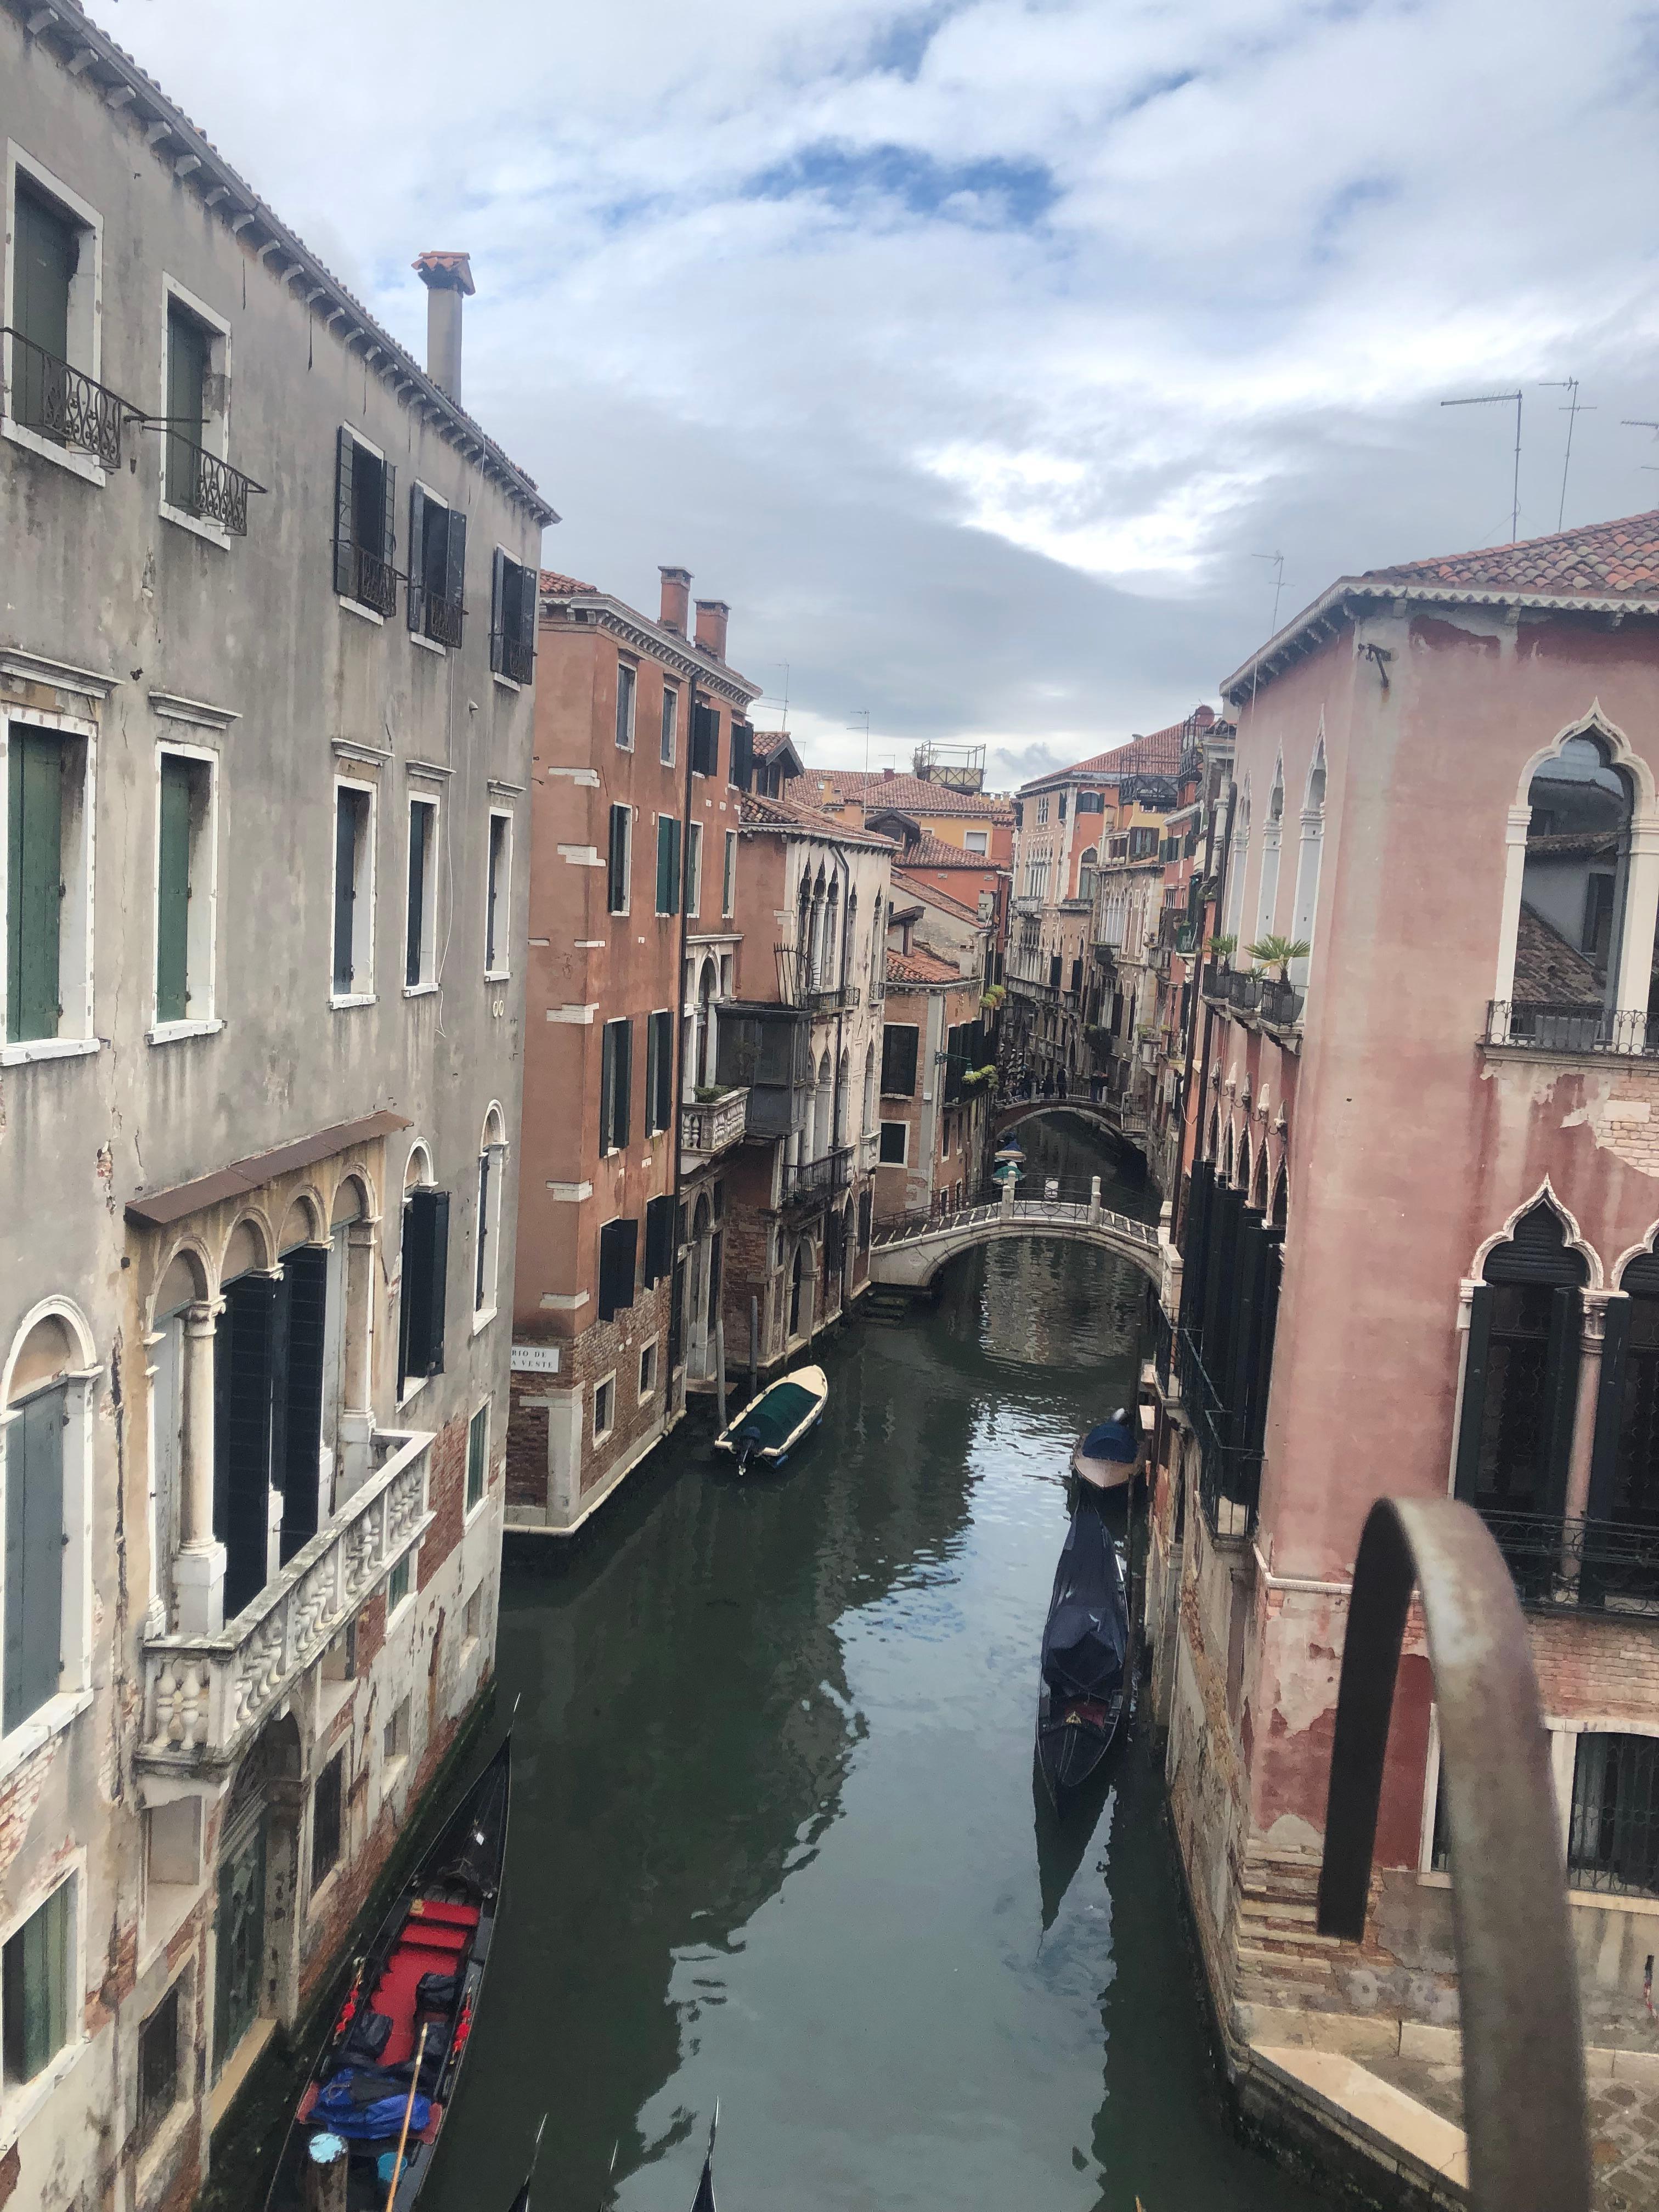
(1418, 1227)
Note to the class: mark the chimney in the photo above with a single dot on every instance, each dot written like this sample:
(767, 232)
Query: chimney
(676, 599)
(448, 280)
(711, 626)
(887, 776)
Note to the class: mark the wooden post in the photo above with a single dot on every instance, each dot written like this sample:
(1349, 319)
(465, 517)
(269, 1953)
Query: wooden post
(719, 1363)
(327, 2171)
(754, 1348)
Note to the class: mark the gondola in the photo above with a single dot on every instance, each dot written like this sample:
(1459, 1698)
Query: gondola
(704, 2199)
(1106, 1458)
(387, 2073)
(770, 1426)
(1080, 1700)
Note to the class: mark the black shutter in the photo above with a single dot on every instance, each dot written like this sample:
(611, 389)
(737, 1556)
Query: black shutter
(741, 769)
(617, 883)
(345, 887)
(344, 496)
(623, 1095)
(1466, 1481)
(1251, 1267)
(705, 740)
(1561, 1392)
(665, 1070)
(658, 1240)
(1255, 1412)
(898, 1061)
(455, 569)
(1194, 1244)
(305, 1285)
(389, 524)
(425, 1284)
(438, 1202)
(415, 598)
(1609, 1409)
(607, 1084)
(528, 579)
(497, 610)
(241, 1453)
(617, 1243)
(676, 1317)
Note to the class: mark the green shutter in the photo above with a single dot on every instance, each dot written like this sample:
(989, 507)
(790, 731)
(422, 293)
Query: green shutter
(478, 1437)
(345, 511)
(173, 893)
(34, 1970)
(243, 1363)
(665, 1070)
(621, 1097)
(617, 900)
(187, 369)
(34, 1555)
(46, 251)
(34, 883)
(497, 612)
(607, 1084)
(1609, 1409)
(1468, 1480)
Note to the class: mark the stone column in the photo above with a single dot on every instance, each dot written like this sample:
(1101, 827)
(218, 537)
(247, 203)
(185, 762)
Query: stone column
(198, 1572)
(1509, 923)
(1641, 916)
(357, 1368)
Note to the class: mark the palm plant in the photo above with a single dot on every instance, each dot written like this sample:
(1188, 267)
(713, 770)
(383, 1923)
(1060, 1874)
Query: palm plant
(1279, 952)
(1220, 948)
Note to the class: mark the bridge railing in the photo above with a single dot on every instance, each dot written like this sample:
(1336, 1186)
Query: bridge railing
(1028, 1212)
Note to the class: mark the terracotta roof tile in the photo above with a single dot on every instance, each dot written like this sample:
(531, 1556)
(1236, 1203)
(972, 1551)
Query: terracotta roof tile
(762, 813)
(915, 794)
(551, 580)
(1603, 557)
(1547, 968)
(930, 852)
(768, 742)
(1159, 753)
(919, 966)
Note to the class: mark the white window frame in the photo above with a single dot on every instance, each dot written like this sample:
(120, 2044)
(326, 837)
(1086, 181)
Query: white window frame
(982, 849)
(469, 1513)
(667, 912)
(1042, 807)
(618, 913)
(645, 1393)
(601, 1383)
(503, 969)
(882, 1123)
(363, 909)
(729, 878)
(356, 606)
(86, 310)
(429, 981)
(20, 2100)
(628, 677)
(669, 742)
(691, 872)
(80, 1036)
(201, 955)
(495, 1151)
(215, 421)
(395, 1763)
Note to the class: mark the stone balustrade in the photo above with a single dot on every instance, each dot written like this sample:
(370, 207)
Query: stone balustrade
(708, 1129)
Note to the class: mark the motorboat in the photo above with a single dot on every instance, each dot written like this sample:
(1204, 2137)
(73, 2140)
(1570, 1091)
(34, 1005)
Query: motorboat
(1106, 1457)
(772, 1426)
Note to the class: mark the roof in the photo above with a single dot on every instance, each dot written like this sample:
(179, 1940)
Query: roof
(1547, 968)
(674, 646)
(1159, 753)
(551, 580)
(920, 966)
(915, 795)
(155, 1209)
(768, 742)
(923, 850)
(1603, 567)
(931, 895)
(194, 163)
(787, 814)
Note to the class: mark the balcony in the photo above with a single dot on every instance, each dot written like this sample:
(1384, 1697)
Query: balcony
(48, 397)
(1247, 991)
(201, 485)
(1230, 1477)
(809, 994)
(205, 1696)
(710, 1126)
(1571, 1027)
(364, 577)
(1591, 1566)
(809, 1183)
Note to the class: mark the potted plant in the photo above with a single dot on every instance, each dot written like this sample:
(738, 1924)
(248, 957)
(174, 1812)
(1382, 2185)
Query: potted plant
(1221, 949)
(1279, 952)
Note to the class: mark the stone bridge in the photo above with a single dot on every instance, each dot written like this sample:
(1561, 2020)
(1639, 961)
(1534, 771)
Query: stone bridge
(909, 1256)
(1125, 1123)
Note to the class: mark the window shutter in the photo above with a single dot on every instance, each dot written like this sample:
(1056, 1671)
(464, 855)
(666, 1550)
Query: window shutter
(34, 886)
(1466, 1481)
(416, 595)
(419, 820)
(455, 569)
(345, 888)
(705, 740)
(658, 1240)
(607, 1085)
(898, 1061)
(528, 579)
(481, 1254)
(664, 866)
(497, 610)
(172, 894)
(741, 769)
(1195, 1242)
(241, 1462)
(438, 1202)
(34, 1554)
(425, 1280)
(674, 840)
(617, 1245)
(623, 1032)
(1260, 1372)
(1609, 1409)
(1561, 1384)
(345, 451)
(300, 1382)
(617, 875)
(665, 1070)
(389, 519)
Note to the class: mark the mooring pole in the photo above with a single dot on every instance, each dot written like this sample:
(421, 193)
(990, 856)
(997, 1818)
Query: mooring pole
(719, 1362)
(754, 1348)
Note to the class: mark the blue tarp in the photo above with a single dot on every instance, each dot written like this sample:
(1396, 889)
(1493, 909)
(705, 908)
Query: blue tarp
(1109, 1440)
(362, 2104)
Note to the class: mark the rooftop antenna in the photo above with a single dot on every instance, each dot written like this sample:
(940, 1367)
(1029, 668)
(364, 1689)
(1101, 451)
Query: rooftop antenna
(1502, 399)
(1277, 560)
(1636, 422)
(1572, 410)
(862, 715)
(784, 665)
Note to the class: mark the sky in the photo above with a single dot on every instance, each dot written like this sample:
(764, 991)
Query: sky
(981, 353)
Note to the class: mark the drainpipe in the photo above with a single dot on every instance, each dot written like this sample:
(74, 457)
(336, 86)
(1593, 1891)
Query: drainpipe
(679, 1005)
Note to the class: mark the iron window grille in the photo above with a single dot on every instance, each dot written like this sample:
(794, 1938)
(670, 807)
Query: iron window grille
(513, 619)
(1612, 1838)
(365, 525)
(48, 397)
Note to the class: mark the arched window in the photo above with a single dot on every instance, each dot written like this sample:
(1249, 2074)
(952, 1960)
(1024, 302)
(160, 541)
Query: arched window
(849, 934)
(492, 1173)
(1267, 902)
(1213, 1142)
(1310, 850)
(1227, 1155)
(1624, 1479)
(799, 1280)
(869, 1121)
(1244, 1162)
(43, 1436)
(1281, 1197)
(1572, 897)
(877, 952)
(824, 1109)
(1085, 872)
(424, 1275)
(843, 1099)
(1237, 858)
(1259, 1188)
(1521, 1383)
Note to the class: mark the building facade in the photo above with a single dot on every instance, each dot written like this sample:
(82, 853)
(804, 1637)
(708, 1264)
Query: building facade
(643, 749)
(1417, 1257)
(259, 1149)
(936, 1080)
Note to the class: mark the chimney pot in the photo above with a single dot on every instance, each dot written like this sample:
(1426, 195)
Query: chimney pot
(676, 598)
(711, 626)
(448, 280)
(887, 776)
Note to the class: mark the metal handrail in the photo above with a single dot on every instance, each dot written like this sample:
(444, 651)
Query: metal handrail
(60, 402)
(217, 492)
(1570, 1026)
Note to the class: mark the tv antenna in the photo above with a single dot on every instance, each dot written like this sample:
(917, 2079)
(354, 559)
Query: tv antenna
(1502, 399)
(862, 715)
(784, 665)
(1277, 560)
(1572, 410)
(1636, 422)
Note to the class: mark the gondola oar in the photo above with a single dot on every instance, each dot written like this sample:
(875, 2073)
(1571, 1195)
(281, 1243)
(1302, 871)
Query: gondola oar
(704, 2199)
(521, 2201)
(403, 2139)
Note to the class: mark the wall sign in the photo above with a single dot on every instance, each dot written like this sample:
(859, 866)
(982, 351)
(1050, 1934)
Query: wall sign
(535, 1359)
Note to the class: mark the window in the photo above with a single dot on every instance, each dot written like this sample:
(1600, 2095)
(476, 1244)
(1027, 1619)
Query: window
(1577, 853)
(1042, 807)
(627, 684)
(1143, 844)
(1521, 1375)
(55, 264)
(694, 867)
(621, 855)
(898, 1060)
(48, 887)
(365, 525)
(658, 1240)
(1613, 1839)
(158, 2067)
(492, 1162)
(437, 567)
(670, 716)
(740, 763)
(35, 1987)
(648, 1370)
(894, 1138)
(354, 892)
(616, 1249)
(394, 1737)
(421, 934)
(33, 1460)
(976, 841)
(616, 1082)
(497, 891)
(190, 353)
(668, 865)
(327, 1801)
(729, 878)
(705, 740)
(513, 619)
(184, 889)
(472, 1619)
(658, 1072)
(1085, 871)
(425, 1267)
(477, 1457)
(604, 1408)
(396, 1585)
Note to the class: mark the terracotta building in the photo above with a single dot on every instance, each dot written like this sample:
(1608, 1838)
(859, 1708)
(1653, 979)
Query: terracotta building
(1418, 1253)
(975, 821)
(935, 1099)
(643, 748)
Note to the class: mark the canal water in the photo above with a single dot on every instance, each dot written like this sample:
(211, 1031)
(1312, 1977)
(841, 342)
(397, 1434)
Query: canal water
(775, 1844)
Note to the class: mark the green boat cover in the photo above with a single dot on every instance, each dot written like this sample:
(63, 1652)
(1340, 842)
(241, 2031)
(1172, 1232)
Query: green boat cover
(774, 1417)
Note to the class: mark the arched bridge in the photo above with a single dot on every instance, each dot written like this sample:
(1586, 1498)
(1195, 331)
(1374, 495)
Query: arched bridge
(1129, 1129)
(909, 1257)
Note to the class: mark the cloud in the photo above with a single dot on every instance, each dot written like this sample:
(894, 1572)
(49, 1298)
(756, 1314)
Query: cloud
(976, 350)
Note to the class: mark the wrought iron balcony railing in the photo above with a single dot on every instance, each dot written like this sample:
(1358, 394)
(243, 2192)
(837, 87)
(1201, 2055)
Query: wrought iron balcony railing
(202, 484)
(1593, 1566)
(366, 578)
(710, 1126)
(805, 1182)
(205, 1696)
(45, 395)
(1249, 992)
(1230, 1477)
(1570, 1026)
(512, 656)
(436, 617)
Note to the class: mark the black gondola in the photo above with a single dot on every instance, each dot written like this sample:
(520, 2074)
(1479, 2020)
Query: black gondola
(704, 2199)
(1080, 1701)
(387, 2073)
